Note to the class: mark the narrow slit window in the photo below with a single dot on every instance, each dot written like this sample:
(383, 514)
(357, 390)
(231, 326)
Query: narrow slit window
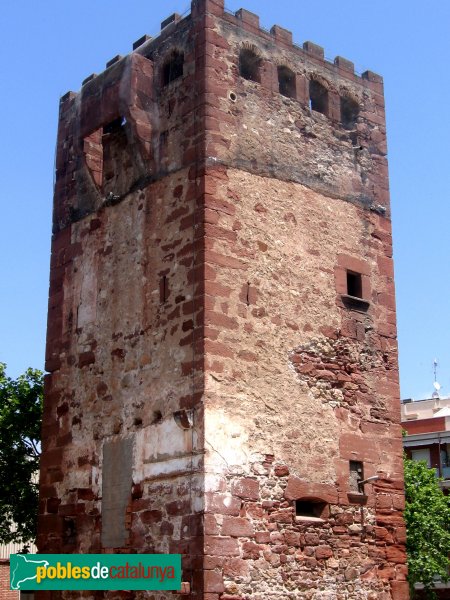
(286, 82)
(318, 97)
(356, 475)
(173, 67)
(349, 112)
(354, 284)
(163, 289)
(310, 508)
(249, 65)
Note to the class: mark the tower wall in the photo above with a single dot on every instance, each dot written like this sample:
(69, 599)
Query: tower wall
(204, 335)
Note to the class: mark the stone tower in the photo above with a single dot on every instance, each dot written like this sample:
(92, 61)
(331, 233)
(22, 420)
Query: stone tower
(222, 332)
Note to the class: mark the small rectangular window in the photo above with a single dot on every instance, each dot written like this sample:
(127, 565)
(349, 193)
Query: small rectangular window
(163, 289)
(354, 284)
(310, 508)
(356, 475)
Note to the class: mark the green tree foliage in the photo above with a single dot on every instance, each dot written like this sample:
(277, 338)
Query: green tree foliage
(20, 433)
(427, 516)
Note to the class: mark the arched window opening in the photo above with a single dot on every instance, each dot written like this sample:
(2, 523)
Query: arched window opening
(318, 97)
(286, 82)
(173, 67)
(349, 112)
(249, 65)
(311, 508)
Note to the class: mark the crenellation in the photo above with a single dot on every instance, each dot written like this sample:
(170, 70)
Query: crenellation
(67, 96)
(114, 60)
(248, 18)
(281, 35)
(89, 78)
(174, 18)
(344, 64)
(142, 40)
(314, 49)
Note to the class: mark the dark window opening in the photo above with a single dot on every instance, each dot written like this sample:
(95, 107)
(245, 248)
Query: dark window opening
(349, 112)
(354, 284)
(311, 508)
(286, 82)
(163, 289)
(115, 126)
(356, 475)
(173, 68)
(318, 97)
(249, 65)
(70, 531)
(247, 298)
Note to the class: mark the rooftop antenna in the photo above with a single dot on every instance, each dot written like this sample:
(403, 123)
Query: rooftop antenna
(436, 385)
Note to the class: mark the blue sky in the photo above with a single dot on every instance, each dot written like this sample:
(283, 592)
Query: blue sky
(49, 47)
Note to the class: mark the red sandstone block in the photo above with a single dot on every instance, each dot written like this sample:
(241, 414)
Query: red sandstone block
(222, 504)
(357, 447)
(300, 488)
(218, 349)
(235, 567)
(224, 261)
(213, 7)
(282, 516)
(400, 534)
(213, 582)
(314, 49)
(396, 554)
(383, 501)
(214, 288)
(281, 34)
(400, 590)
(220, 233)
(281, 470)
(219, 205)
(246, 488)
(248, 17)
(354, 264)
(323, 552)
(250, 550)
(344, 64)
(221, 546)
(292, 538)
(237, 527)
(210, 525)
(220, 320)
(262, 537)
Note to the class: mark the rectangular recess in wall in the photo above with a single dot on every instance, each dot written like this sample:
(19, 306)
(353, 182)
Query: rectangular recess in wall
(116, 490)
(356, 475)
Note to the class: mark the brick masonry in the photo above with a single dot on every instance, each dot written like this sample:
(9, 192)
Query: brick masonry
(199, 310)
(5, 592)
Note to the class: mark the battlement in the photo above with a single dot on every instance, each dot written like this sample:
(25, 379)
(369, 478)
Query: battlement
(166, 77)
(250, 22)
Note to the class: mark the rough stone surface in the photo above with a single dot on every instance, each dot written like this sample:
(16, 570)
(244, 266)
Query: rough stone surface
(199, 308)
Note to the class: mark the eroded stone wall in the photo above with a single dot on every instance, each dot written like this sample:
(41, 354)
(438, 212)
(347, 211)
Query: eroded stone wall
(298, 385)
